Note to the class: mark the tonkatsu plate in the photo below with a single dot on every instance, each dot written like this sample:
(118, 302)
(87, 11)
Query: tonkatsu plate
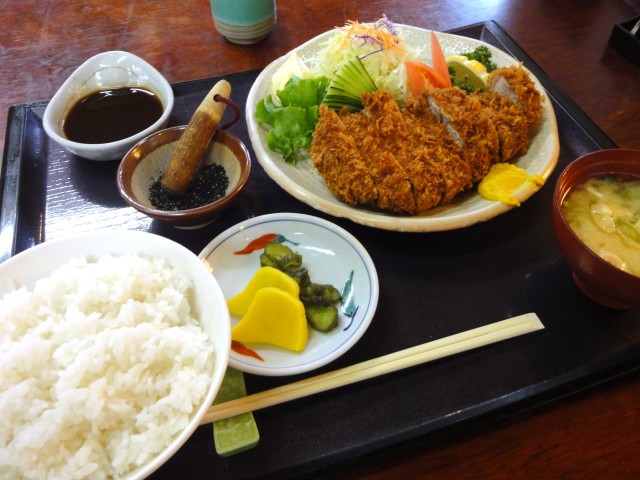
(391, 142)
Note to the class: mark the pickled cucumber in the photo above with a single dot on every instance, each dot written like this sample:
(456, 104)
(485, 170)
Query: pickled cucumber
(322, 318)
(317, 294)
(277, 251)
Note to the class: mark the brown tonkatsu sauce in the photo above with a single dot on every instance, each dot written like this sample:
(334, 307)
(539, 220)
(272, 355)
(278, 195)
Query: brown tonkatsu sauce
(110, 115)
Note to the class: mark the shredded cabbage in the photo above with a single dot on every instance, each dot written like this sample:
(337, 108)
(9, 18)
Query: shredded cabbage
(378, 46)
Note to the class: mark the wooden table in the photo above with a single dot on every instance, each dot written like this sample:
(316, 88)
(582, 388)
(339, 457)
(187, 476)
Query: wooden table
(590, 435)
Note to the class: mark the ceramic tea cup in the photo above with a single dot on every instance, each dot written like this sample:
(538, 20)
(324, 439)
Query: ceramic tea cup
(244, 21)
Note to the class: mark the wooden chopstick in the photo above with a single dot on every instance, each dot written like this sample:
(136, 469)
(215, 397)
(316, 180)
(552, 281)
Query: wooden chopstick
(392, 362)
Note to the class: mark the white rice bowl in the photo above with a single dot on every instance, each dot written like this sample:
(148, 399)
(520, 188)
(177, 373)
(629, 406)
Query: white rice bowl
(112, 347)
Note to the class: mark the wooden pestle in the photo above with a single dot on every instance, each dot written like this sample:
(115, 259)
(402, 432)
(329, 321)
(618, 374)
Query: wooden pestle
(185, 161)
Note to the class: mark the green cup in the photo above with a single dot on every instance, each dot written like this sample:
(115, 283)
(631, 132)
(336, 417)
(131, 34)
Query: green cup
(244, 21)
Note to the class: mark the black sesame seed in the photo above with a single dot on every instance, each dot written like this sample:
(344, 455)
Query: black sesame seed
(208, 186)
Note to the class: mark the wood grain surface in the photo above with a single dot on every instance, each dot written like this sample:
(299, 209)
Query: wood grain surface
(594, 434)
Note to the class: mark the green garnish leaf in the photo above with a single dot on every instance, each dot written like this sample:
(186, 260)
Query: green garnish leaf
(293, 122)
(482, 54)
(303, 92)
(292, 129)
(264, 111)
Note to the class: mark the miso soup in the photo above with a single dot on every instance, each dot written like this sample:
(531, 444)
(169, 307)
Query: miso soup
(604, 212)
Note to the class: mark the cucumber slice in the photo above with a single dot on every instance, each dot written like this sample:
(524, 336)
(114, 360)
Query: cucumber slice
(348, 84)
(318, 294)
(323, 319)
(239, 433)
(277, 250)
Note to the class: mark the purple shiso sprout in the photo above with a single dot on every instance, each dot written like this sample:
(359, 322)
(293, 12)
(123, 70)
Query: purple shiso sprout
(385, 24)
(381, 24)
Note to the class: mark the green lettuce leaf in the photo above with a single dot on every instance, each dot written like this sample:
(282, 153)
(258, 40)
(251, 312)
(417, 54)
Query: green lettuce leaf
(303, 92)
(292, 123)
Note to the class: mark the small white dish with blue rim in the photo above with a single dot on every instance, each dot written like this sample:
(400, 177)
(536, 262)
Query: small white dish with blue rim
(331, 255)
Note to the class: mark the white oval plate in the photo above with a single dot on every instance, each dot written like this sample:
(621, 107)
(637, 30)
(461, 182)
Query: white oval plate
(330, 253)
(304, 183)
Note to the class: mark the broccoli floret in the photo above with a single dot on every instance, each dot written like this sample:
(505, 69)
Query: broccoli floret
(483, 55)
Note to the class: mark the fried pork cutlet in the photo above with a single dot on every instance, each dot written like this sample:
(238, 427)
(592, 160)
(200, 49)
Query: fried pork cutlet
(408, 160)
(465, 120)
(430, 136)
(337, 159)
(515, 83)
(426, 177)
(510, 121)
(390, 179)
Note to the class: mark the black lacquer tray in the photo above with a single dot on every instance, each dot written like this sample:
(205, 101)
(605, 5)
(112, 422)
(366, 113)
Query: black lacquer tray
(431, 285)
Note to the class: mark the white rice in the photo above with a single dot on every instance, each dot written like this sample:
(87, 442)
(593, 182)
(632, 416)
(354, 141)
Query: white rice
(102, 364)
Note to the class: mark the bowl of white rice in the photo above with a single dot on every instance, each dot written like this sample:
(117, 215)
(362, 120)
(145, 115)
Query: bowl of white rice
(112, 347)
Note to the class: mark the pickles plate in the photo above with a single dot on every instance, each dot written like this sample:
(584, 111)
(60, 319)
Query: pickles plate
(331, 255)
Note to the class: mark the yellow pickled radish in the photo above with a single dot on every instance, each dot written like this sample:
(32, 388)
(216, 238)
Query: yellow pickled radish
(274, 317)
(264, 277)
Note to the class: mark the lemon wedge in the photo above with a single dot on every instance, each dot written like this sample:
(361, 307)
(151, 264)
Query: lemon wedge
(292, 66)
(467, 73)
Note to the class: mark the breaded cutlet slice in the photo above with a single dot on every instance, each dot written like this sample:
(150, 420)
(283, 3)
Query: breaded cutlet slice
(465, 120)
(394, 189)
(337, 159)
(429, 134)
(510, 122)
(425, 176)
(515, 83)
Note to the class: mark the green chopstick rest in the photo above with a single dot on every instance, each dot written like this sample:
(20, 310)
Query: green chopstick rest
(240, 432)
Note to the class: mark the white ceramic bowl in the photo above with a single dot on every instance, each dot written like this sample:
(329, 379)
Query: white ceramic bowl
(103, 71)
(207, 301)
